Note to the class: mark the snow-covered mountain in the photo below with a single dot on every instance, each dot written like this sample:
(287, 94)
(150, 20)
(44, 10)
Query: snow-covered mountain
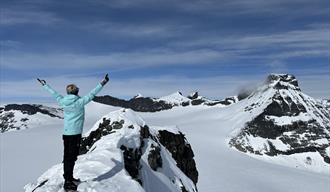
(122, 153)
(22, 116)
(287, 125)
(148, 104)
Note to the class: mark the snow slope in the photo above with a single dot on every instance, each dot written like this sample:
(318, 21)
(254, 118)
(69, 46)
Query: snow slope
(223, 169)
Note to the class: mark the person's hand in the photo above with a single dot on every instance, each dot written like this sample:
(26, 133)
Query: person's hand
(41, 81)
(105, 80)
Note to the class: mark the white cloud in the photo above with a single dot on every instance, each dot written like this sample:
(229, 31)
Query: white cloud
(138, 30)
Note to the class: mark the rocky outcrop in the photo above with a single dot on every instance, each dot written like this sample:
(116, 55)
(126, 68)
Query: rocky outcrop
(150, 145)
(181, 151)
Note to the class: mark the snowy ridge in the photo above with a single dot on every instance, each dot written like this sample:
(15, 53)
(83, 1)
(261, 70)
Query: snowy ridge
(105, 165)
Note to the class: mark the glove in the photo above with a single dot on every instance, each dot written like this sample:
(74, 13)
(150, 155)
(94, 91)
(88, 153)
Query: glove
(105, 80)
(41, 81)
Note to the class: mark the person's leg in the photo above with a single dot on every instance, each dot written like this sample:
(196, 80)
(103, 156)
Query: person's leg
(76, 144)
(69, 156)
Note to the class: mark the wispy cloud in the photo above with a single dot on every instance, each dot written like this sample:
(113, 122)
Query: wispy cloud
(139, 30)
(121, 60)
(26, 15)
(214, 87)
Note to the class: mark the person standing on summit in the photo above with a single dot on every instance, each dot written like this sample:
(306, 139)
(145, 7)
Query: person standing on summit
(74, 116)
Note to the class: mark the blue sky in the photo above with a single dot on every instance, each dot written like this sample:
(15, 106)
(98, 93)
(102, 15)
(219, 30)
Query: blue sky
(157, 47)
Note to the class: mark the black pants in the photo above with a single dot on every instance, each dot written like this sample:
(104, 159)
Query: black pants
(71, 152)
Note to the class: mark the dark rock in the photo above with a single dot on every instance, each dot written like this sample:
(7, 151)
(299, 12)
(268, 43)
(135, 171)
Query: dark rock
(197, 102)
(117, 125)
(104, 128)
(143, 104)
(154, 158)
(194, 95)
(186, 103)
(132, 162)
(181, 152)
(144, 132)
(31, 109)
(286, 78)
(24, 119)
(6, 122)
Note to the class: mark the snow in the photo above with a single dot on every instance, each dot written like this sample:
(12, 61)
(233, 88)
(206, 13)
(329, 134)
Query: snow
(139, 95)
(322, 141)
(311, 161)
(175, 98)
(225, 169)
(207, 129)
(261, 145)
(287, 120)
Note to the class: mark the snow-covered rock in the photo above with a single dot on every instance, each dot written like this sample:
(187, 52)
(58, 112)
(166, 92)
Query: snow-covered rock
(287, 125)
(122, 153)
(22, 116)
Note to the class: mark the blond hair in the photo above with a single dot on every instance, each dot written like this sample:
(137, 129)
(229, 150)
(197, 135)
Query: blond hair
(72, 89)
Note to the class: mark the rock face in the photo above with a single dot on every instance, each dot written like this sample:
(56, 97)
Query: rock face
(21, 116)
(286, 122)
(181, 151)
(122, 153)
(147, 104)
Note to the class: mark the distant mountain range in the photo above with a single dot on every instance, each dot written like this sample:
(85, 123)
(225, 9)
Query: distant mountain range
(148, 104)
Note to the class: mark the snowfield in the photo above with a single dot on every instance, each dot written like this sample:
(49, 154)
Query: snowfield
(27, 154)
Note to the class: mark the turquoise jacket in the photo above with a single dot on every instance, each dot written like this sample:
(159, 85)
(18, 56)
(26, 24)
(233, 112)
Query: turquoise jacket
(74, 109)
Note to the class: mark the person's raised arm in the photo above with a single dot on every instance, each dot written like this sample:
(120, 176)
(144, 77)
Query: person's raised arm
(54, 93)
(87, 98)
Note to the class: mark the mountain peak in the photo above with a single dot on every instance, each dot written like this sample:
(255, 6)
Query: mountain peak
(282, 81)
